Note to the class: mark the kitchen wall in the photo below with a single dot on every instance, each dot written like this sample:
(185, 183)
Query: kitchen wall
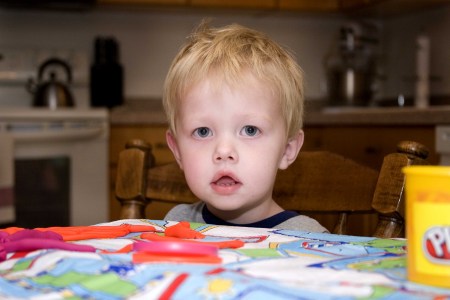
(399, 36)
(149, 40)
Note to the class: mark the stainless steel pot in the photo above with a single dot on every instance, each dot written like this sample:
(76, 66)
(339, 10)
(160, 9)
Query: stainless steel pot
(349, 87)
(351, 66)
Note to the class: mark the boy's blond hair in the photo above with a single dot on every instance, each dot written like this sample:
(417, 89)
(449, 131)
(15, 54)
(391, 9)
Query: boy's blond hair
(228, 53)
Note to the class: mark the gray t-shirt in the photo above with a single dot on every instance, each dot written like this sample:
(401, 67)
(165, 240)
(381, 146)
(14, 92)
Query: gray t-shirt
(194, 213)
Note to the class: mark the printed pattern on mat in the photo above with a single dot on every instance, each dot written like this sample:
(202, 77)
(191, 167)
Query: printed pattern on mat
(273, 264)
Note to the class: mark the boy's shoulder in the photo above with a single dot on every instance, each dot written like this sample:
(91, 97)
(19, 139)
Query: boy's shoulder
(303, 223)
(186, 212)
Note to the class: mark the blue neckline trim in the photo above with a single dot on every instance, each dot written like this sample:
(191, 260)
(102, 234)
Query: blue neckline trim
(266, 223)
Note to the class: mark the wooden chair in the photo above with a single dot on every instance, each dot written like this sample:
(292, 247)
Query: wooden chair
(317, 182)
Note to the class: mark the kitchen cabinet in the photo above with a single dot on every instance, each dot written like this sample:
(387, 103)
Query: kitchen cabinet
(368, 134)
(309, 5)
(351, 4)
(142, 2)
(216, 4)
(282, 5)
(155, 135)
(368, 144)
(366, 7)
(385, 8)
(258, 4)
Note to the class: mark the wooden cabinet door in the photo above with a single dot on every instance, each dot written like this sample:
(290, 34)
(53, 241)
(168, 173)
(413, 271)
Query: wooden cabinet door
(368, 144)
(309, 5)
(258, 4)
(154, 135)
(142, 2)
(348, 4)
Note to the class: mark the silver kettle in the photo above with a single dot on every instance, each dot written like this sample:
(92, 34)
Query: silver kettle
(51, 93)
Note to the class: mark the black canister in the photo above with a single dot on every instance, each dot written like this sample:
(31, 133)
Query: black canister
(106, 82)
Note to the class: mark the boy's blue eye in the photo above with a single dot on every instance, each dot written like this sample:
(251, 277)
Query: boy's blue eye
(250, 130)
(202, 132)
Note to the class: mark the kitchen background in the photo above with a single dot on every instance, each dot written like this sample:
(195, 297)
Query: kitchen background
(149, 39)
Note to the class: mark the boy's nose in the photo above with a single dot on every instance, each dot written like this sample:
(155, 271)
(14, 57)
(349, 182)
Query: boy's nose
(225, 152)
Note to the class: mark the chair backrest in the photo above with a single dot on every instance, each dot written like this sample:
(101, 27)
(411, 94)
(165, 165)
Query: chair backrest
(317, 182)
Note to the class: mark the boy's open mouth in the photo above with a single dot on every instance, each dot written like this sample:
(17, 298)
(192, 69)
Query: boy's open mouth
(225, 181)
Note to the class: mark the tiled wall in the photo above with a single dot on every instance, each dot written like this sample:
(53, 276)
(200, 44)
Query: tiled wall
(149, 40)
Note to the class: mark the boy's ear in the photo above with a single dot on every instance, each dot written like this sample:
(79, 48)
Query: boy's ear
(172, 143)
(293, 146)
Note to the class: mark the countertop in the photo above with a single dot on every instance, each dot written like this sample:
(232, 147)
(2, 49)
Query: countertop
(138, 112)
(391, 116)
(150, 112)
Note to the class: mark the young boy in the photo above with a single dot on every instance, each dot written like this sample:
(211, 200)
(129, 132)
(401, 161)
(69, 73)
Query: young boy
(234, 102)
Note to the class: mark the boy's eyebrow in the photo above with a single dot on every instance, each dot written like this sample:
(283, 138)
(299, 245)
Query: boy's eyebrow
(247, 117)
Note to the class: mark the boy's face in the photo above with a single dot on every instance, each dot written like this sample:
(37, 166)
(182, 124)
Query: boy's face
(230, 144)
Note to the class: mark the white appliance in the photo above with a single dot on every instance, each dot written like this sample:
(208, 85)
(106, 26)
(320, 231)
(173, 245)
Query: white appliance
(443, 144)
(60, 165)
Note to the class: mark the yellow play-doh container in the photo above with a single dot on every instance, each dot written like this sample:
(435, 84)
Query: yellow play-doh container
(428, 224)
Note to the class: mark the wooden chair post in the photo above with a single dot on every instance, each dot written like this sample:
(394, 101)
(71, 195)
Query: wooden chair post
(131, 183)
(391, 206)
